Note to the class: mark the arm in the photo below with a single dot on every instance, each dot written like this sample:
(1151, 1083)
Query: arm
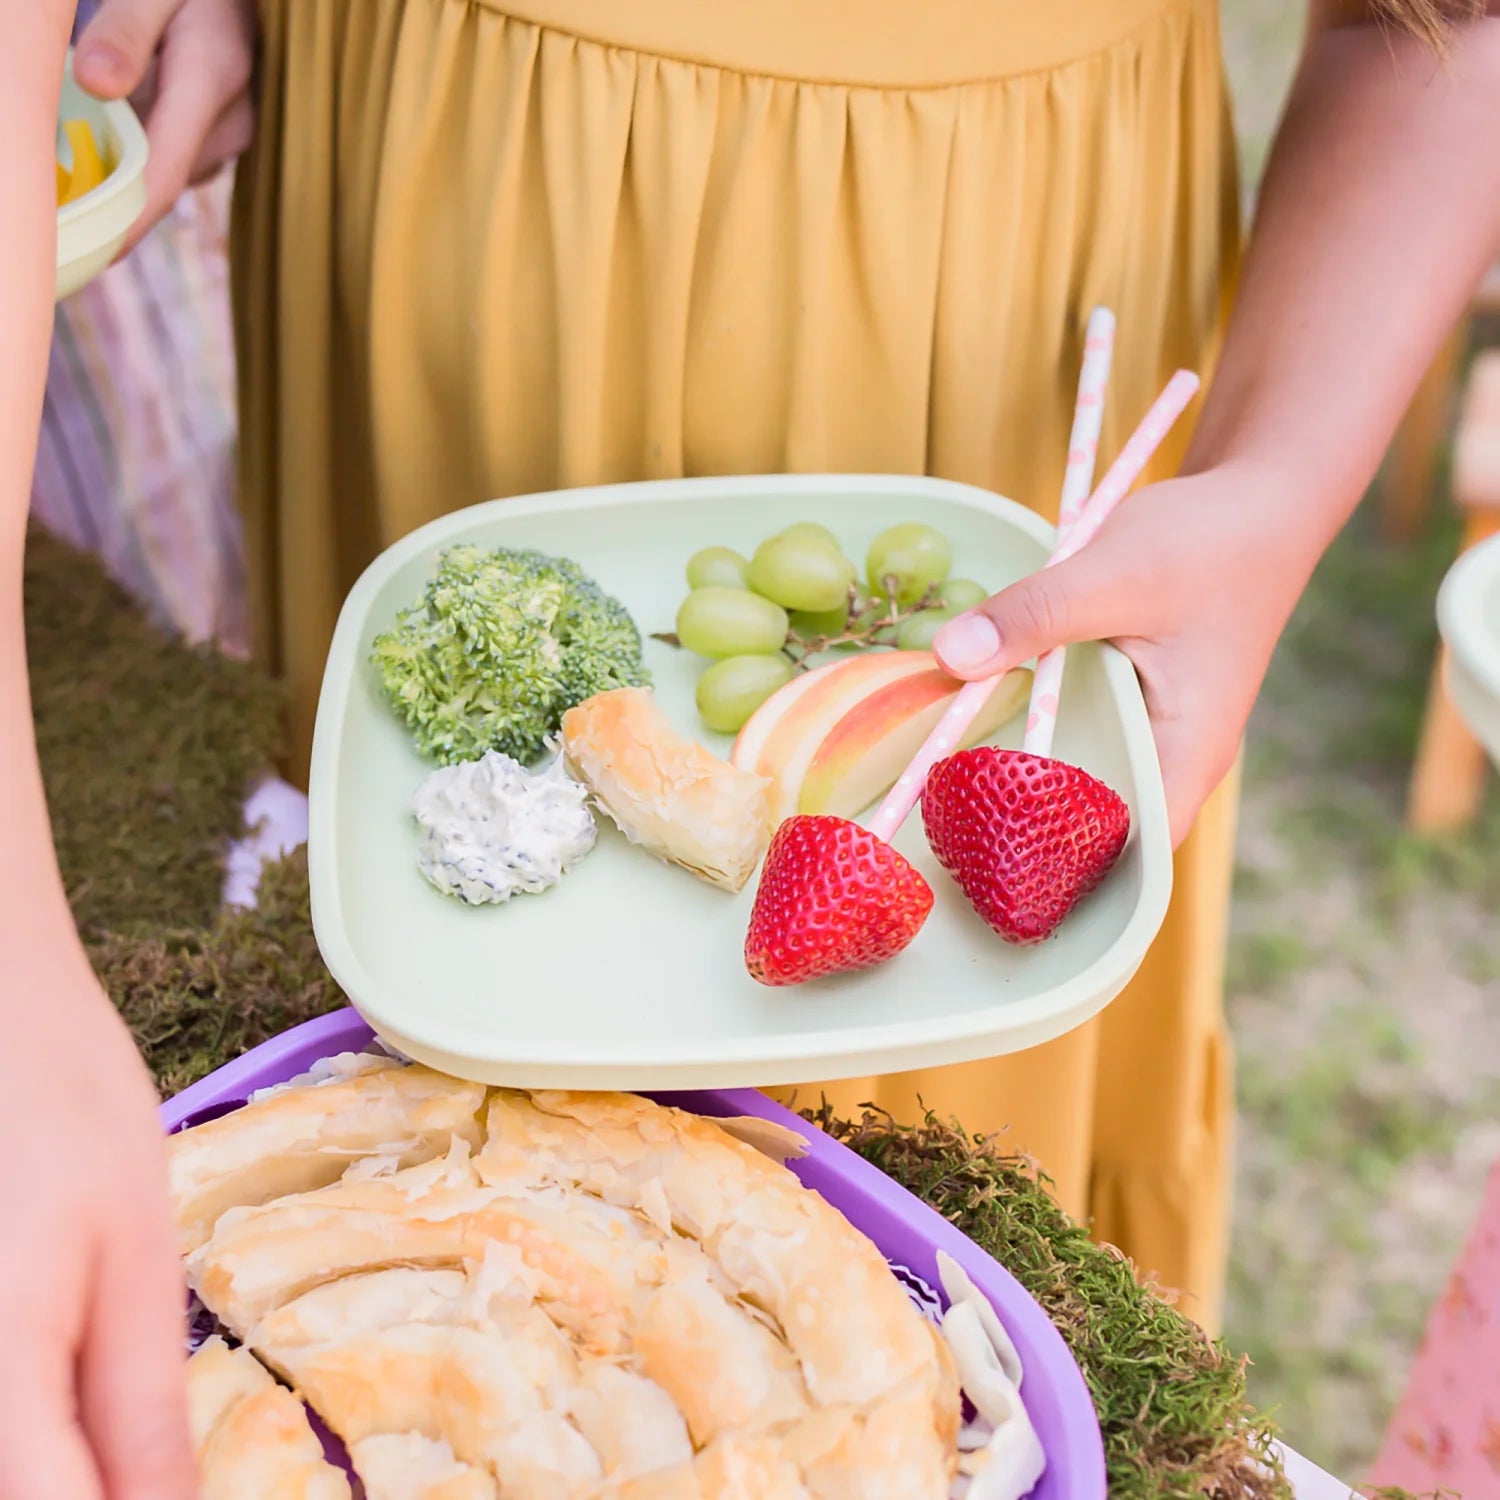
(1379, 213)
(90, 1291)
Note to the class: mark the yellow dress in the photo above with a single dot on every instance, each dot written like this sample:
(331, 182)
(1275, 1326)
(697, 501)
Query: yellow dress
(490, 247)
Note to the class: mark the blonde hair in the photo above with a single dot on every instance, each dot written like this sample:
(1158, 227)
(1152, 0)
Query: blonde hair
(1428, 20)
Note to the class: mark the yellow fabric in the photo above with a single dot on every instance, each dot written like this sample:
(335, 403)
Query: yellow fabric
(487, 248)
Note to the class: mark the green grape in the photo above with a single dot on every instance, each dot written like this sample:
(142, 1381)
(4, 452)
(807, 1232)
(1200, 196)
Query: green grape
(960, 594)
(917, 632)
(811, 623)
(812, 531)
(801, 573)
(731, 690)
(720, 565)
(916, 555)
(717, 622)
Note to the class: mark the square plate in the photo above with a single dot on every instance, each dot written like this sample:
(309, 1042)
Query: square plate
(630, 974)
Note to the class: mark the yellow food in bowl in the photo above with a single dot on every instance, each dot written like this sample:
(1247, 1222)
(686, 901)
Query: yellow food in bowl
(89, 167)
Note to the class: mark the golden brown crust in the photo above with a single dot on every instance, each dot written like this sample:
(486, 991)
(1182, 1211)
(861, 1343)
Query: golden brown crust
(406, 1466)
(783, 1247)
(667, 793)
(304, 1138)
(251, 1436)
(609, 1300)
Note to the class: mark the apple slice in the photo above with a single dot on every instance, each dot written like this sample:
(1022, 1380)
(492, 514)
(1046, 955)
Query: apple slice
(780, 740)
(758, 728)
(873, 743)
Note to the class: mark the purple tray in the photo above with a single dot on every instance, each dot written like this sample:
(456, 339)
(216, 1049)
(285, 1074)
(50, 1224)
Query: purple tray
(908, 1233)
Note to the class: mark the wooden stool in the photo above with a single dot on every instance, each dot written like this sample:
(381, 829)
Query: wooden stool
(1410, 476)
(1448, 778)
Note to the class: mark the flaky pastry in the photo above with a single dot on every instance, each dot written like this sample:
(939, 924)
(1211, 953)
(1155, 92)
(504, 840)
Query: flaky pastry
(304, 1138)
(666, 793)
(581, 1297)
(251, 1436)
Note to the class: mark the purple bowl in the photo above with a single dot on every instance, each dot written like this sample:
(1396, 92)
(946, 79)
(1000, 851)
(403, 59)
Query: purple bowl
(908, 1233)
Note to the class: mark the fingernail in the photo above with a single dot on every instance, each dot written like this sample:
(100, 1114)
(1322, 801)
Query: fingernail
(99, 58)
(967, 643)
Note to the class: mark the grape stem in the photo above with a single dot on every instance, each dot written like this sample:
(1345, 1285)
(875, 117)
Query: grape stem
(862, 627)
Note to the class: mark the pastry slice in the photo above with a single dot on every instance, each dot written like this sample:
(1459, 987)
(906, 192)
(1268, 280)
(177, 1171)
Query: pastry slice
(407, 1466)
(665, 792)
(585, 1260)
(298, 1139)
(320, 1342)
(743, 1467)
(782, 1248)
(463, 1387)
(252, 1437)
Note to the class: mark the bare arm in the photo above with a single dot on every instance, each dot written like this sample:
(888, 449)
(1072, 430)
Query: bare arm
(91, 1295)
(31, 896)
(1379, 212)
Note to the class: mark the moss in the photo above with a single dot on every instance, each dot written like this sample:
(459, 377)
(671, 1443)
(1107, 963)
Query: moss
(194, 999)
(1172, 1404)
(147, 747)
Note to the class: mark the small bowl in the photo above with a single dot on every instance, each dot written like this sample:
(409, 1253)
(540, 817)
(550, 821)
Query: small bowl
(92, 229)
(1468, 611)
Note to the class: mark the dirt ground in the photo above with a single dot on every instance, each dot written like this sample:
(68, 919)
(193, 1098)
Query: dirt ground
(1364, 974)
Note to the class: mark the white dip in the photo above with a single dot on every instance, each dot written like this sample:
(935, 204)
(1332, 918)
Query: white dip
(492, 829)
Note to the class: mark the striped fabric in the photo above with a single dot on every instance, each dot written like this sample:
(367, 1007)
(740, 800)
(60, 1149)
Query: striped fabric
(136, 457)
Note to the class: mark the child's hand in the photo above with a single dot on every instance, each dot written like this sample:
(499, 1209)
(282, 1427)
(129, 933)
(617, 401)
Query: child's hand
(91, 1293)
(1193, 580)
(189, 63)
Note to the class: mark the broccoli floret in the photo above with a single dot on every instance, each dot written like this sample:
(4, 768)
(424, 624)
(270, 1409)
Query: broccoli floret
(501, 646)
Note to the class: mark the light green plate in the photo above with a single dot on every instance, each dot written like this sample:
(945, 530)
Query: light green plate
(92, 229)
(630, 973)
(1469, 618)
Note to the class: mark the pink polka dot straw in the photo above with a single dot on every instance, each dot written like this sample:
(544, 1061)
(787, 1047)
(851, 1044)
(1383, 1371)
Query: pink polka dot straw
(1116, 484)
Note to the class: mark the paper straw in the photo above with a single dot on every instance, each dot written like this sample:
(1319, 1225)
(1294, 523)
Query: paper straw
(967, 702)
(1078, 479)
(1129, 466)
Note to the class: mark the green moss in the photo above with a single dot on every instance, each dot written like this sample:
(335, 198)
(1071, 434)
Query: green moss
(147, 747)
(1172, 1405)
(195, 998)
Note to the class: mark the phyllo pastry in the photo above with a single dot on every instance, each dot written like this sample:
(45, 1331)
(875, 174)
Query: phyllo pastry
(252, 1436)
(665, 792)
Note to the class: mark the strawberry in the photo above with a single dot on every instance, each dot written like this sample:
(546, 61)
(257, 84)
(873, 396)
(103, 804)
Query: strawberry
(832, 897)
(1026, 837)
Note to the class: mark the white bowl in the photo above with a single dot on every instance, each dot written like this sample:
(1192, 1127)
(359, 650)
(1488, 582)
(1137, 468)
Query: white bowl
(92, 229)
(1468, 611)
(631, 974)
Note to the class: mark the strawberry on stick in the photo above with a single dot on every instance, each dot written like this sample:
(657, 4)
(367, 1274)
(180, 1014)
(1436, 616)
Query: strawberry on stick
(1025, 836)
(834, 896)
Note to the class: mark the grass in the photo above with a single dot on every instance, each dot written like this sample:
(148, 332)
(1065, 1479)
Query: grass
(1364, 969)
(1364, 972)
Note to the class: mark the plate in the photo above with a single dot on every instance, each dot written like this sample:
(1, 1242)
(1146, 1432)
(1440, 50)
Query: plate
(1468, 611)
(908, 1233)
(630, 974)
(92, 229)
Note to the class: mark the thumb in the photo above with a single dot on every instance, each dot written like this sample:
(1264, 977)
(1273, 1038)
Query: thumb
(116, 48)
(1047, 609)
